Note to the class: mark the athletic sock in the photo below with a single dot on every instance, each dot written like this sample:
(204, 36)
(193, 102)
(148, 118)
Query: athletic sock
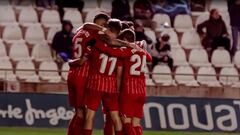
(118, 132)
(78, 126)
(87, 131)
(70, 130)
(108, 127)
(128, 129)
(138, 130)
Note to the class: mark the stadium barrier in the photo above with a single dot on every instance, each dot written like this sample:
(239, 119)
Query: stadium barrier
(160, 113)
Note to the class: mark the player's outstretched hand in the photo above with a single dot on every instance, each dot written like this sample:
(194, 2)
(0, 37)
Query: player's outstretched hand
(134, 46)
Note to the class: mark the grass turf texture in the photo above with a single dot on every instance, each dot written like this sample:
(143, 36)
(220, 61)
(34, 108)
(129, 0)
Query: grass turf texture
(59, 131)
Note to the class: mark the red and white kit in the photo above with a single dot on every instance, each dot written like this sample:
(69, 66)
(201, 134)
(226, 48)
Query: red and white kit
(133, 92)
(102, 82)
(77, 76)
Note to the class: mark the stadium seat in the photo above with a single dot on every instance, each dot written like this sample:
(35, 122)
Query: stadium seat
(221, 5)
(51, 33)
(3, 52)
(191, 40)
(7, 16)
(18, 52)
(34, 35)
(149, 81)
(5, 2)
(65, 69)
(27, 17)
(160, 19)
(199, 58)
(50, 18)
(41, 52)
(207, 76)
(74, 16)
(25, 70)
(91, 14)
(151, 34)
(23, 4)
(179, 58)
(6, 70)
(202, 18)
(173, 37)
(184, 75)
(91, 5)
(162, 75)
(48, 71)
(183, 23)
(229, 76)
(106, 5)
(12, 33)
(236, 59)
(226, 18)
(221, 58)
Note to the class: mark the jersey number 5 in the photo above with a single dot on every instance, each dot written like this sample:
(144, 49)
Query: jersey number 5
(78, 48)
(105, 60)
(138, 63)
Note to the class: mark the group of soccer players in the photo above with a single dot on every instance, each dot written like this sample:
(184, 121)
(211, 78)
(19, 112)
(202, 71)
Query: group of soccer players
(108, 68)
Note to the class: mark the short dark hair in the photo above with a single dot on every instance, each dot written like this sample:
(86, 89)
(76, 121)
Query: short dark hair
(127, 34)
(165, 37)
(114, 25)
(124, 25)
(101, 16)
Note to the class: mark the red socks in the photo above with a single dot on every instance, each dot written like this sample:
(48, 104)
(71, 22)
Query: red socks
(71, 125)
(108, 127)
(138, 130)
(87, 132)
(78, 126)
(128, 129)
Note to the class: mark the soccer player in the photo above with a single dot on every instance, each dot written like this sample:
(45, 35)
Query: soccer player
(102, 83)
(77, 75)
(135, 64)
(133, 92)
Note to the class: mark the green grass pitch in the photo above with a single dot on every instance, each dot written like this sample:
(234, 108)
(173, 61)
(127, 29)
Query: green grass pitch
(58, 131)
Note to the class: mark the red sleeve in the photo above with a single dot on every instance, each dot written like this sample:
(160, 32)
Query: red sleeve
(115, 52)
(81, 38)
(149, 57)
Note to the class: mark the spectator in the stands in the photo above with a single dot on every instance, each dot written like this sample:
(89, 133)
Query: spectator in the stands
(121, 10)
(198, 5)
(161, 52)
(79, 4)
(171, 7)
(143, 9)
(62, 41)
(234, 12)
(216, 34)
(45, 3)
(140, 35)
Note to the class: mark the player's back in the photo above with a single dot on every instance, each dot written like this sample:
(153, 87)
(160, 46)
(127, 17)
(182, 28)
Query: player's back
(134, 73)
(102, 71)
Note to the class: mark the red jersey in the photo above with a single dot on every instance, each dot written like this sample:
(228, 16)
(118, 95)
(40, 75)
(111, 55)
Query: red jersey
(134, 63)
(81, 49)
(133, 74)
(102, 72)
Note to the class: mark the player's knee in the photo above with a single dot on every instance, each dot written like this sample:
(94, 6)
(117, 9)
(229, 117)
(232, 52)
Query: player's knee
(89, 115)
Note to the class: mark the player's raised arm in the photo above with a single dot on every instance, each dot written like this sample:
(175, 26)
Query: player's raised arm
(93, 26)
(148, 56)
